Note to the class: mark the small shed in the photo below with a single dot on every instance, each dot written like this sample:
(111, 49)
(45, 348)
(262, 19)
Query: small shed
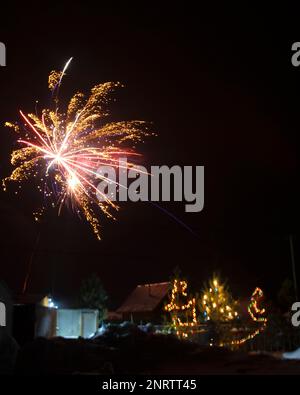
(33, 317)
(74, 323)
(145, 303)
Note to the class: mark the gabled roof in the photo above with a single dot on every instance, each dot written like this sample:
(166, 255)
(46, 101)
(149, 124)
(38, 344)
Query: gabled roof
(145, 297)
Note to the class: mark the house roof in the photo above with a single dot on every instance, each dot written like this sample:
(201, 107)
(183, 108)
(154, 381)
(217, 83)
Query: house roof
(145, 297)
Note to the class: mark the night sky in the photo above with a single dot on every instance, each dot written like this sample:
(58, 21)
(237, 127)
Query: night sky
(220, 90)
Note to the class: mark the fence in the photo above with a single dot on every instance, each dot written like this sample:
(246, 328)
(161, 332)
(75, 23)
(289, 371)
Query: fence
(273, 342)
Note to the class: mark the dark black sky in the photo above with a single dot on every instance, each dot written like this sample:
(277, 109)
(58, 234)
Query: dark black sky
(221, 92)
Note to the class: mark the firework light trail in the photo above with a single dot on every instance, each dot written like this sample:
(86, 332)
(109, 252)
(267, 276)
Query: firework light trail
(64, 149)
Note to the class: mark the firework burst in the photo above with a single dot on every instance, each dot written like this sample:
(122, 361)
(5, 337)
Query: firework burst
(64, 149)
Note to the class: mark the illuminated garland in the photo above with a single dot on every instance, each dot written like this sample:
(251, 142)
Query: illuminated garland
(173, 306)
(216, 297)
(255, 298)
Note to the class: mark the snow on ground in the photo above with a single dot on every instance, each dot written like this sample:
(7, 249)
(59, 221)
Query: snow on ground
(292, 355)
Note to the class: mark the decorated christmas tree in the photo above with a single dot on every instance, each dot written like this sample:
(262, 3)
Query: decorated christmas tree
(216, 302)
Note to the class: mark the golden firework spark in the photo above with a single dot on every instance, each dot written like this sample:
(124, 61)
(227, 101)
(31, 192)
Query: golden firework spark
(64, 149)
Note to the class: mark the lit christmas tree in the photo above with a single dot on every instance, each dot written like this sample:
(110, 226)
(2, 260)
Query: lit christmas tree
(216, 302)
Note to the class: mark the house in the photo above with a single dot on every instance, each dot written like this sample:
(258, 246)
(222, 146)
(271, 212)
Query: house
(8, 345)
(6, 308)
(145, 303)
